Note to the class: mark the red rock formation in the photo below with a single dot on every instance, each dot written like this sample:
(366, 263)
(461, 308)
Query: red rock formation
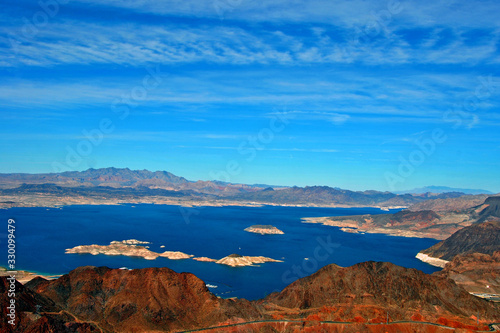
(27, 321)
(150, 298)
(397, 290)
(91, 299)
(475, 272)
(482, 237)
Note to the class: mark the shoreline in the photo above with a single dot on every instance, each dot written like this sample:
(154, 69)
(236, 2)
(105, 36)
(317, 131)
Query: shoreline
(54, 202)
(24, 276)
(431, 260)
(352, 228)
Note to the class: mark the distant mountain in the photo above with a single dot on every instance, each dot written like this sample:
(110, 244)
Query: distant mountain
(103, 191)
(124, 177)
(324, 195)
(450, 204)
(124, 184)
(97, 177)
(443, 189)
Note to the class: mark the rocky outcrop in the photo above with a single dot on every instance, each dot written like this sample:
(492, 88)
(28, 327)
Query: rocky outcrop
(481, 238)
(150, 299)
(477, 273)
(26, 316)
(236, 260)
(451, 215)
(91, 299)
(264, 230)
(489, 211)
(364, 287)
(427, 224)
(127, 248)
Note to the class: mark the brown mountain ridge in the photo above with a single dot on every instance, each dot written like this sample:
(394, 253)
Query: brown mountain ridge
(91, 299)
(122, 185)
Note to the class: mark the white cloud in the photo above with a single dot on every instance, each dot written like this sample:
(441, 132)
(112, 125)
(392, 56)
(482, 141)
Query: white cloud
(346, 13)
(136, 44)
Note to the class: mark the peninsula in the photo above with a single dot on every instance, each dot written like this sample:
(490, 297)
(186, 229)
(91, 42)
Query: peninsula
(264, 230)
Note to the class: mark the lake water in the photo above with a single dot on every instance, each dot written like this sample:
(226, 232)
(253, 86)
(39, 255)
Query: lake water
(43, 234)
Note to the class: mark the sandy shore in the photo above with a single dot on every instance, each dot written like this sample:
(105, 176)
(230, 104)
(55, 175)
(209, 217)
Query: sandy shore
(431, 260)
(51, 201)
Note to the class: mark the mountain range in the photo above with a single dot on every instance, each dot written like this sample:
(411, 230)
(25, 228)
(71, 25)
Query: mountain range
(443, 189)
(114, 185)
(369, 296)
(352, 299)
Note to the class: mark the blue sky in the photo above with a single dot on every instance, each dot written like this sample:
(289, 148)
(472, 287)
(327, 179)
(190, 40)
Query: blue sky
(356, 94)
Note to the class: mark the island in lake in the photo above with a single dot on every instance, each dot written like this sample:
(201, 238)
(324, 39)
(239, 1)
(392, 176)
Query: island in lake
(133, 249)
(127, 248)
(236, 260)
(264, 230)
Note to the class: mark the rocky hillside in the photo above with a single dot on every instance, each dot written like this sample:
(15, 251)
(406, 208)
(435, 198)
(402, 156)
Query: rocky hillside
(488, 211)
(406, 223)
(92, 299)
(150, 299)
(27, 320)
(441, 224)
(481, 238)
(370, 288)
(476, 272)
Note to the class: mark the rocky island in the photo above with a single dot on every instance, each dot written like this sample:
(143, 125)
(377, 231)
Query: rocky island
(236, 260)
(132, 249)
(127, 248)
(264, 230)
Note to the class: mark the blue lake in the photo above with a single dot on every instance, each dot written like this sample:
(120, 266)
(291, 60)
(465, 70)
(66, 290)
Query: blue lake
(43, 234)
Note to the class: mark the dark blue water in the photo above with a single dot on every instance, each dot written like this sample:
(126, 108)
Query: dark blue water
(43, 234)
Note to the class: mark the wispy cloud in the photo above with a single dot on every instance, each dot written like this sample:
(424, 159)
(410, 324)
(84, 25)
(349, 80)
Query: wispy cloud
(343, 12)
(138, 43)
(306, 150)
